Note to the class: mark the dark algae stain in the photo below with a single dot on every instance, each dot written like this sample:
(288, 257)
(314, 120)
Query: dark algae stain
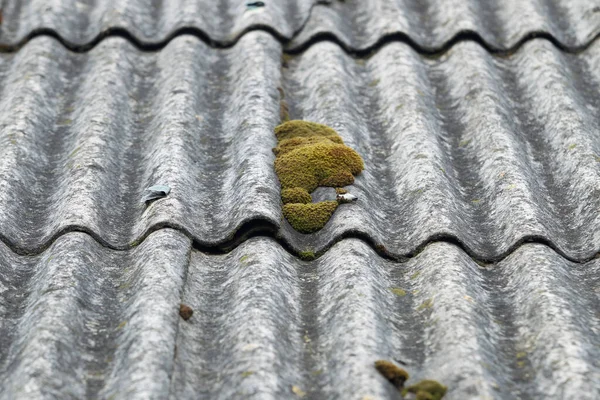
(424, 390)
(309, 155)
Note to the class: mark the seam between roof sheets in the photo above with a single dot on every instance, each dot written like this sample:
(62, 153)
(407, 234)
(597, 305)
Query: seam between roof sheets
(397, 37)
(265, 229)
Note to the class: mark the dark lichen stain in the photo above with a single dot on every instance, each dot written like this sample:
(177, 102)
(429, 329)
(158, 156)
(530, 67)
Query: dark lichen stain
(310, 155)
(426, 390)
(185, 312)
(396, 375)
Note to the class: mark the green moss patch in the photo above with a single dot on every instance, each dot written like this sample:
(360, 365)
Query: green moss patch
(396, 375)
(423, 390)
(310, 155)
(295, 195)
(309, 218)
(307, 255)
(318, 164)
(426, 390)
(297, 128)
(398, 291)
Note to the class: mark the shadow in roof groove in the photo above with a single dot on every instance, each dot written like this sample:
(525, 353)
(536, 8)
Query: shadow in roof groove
(429, 27)
(293, 49)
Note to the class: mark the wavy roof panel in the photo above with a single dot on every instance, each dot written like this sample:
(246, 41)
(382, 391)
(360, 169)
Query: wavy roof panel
(489, 153)
(107, 323)
(358, 24)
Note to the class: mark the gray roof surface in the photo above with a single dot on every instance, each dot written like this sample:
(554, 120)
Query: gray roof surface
(480, 199)
(84, 320)
(429, 24)
(453, 150)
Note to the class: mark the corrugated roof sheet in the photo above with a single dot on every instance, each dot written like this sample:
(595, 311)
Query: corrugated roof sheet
(469, 157)
(453, 150)
(84, 320)
(430, 24)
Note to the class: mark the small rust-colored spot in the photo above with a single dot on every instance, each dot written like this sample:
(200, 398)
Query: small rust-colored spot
(185, 312)
(396, 375)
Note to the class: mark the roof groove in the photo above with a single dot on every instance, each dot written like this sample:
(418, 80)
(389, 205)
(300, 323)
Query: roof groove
(296, 27)
(254, 229)
(291, 49)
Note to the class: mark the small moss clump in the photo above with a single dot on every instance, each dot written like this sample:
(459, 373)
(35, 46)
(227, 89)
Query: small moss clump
(398, 292)
(426, 390)
(425, 305)
(309, 218)
(287, 145)
(307, 255)
(318, 164)
(396, 375)
(295, 195)
(310, 155)
(298, 128)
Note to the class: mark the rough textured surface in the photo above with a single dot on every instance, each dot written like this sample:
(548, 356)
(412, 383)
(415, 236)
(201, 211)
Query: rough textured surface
(82, 321)
(107, 322)
(431, 24)
(85, 135)
(489, 153)
(468, 156)
(358, 24)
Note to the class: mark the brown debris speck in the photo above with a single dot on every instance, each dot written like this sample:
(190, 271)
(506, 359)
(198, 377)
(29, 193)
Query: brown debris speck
(396, 375)
(185, 312)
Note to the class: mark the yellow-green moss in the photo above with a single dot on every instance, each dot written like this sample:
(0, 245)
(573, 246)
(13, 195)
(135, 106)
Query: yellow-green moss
(310, 155)
(298, 128)
(284, 112)
(287, 145)
(319, 164)
(427, 390)
(307, 255)
(340, 191)
(396, 375)
(308, 218)
(398, 291)
(426, 305)
(295, 195)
